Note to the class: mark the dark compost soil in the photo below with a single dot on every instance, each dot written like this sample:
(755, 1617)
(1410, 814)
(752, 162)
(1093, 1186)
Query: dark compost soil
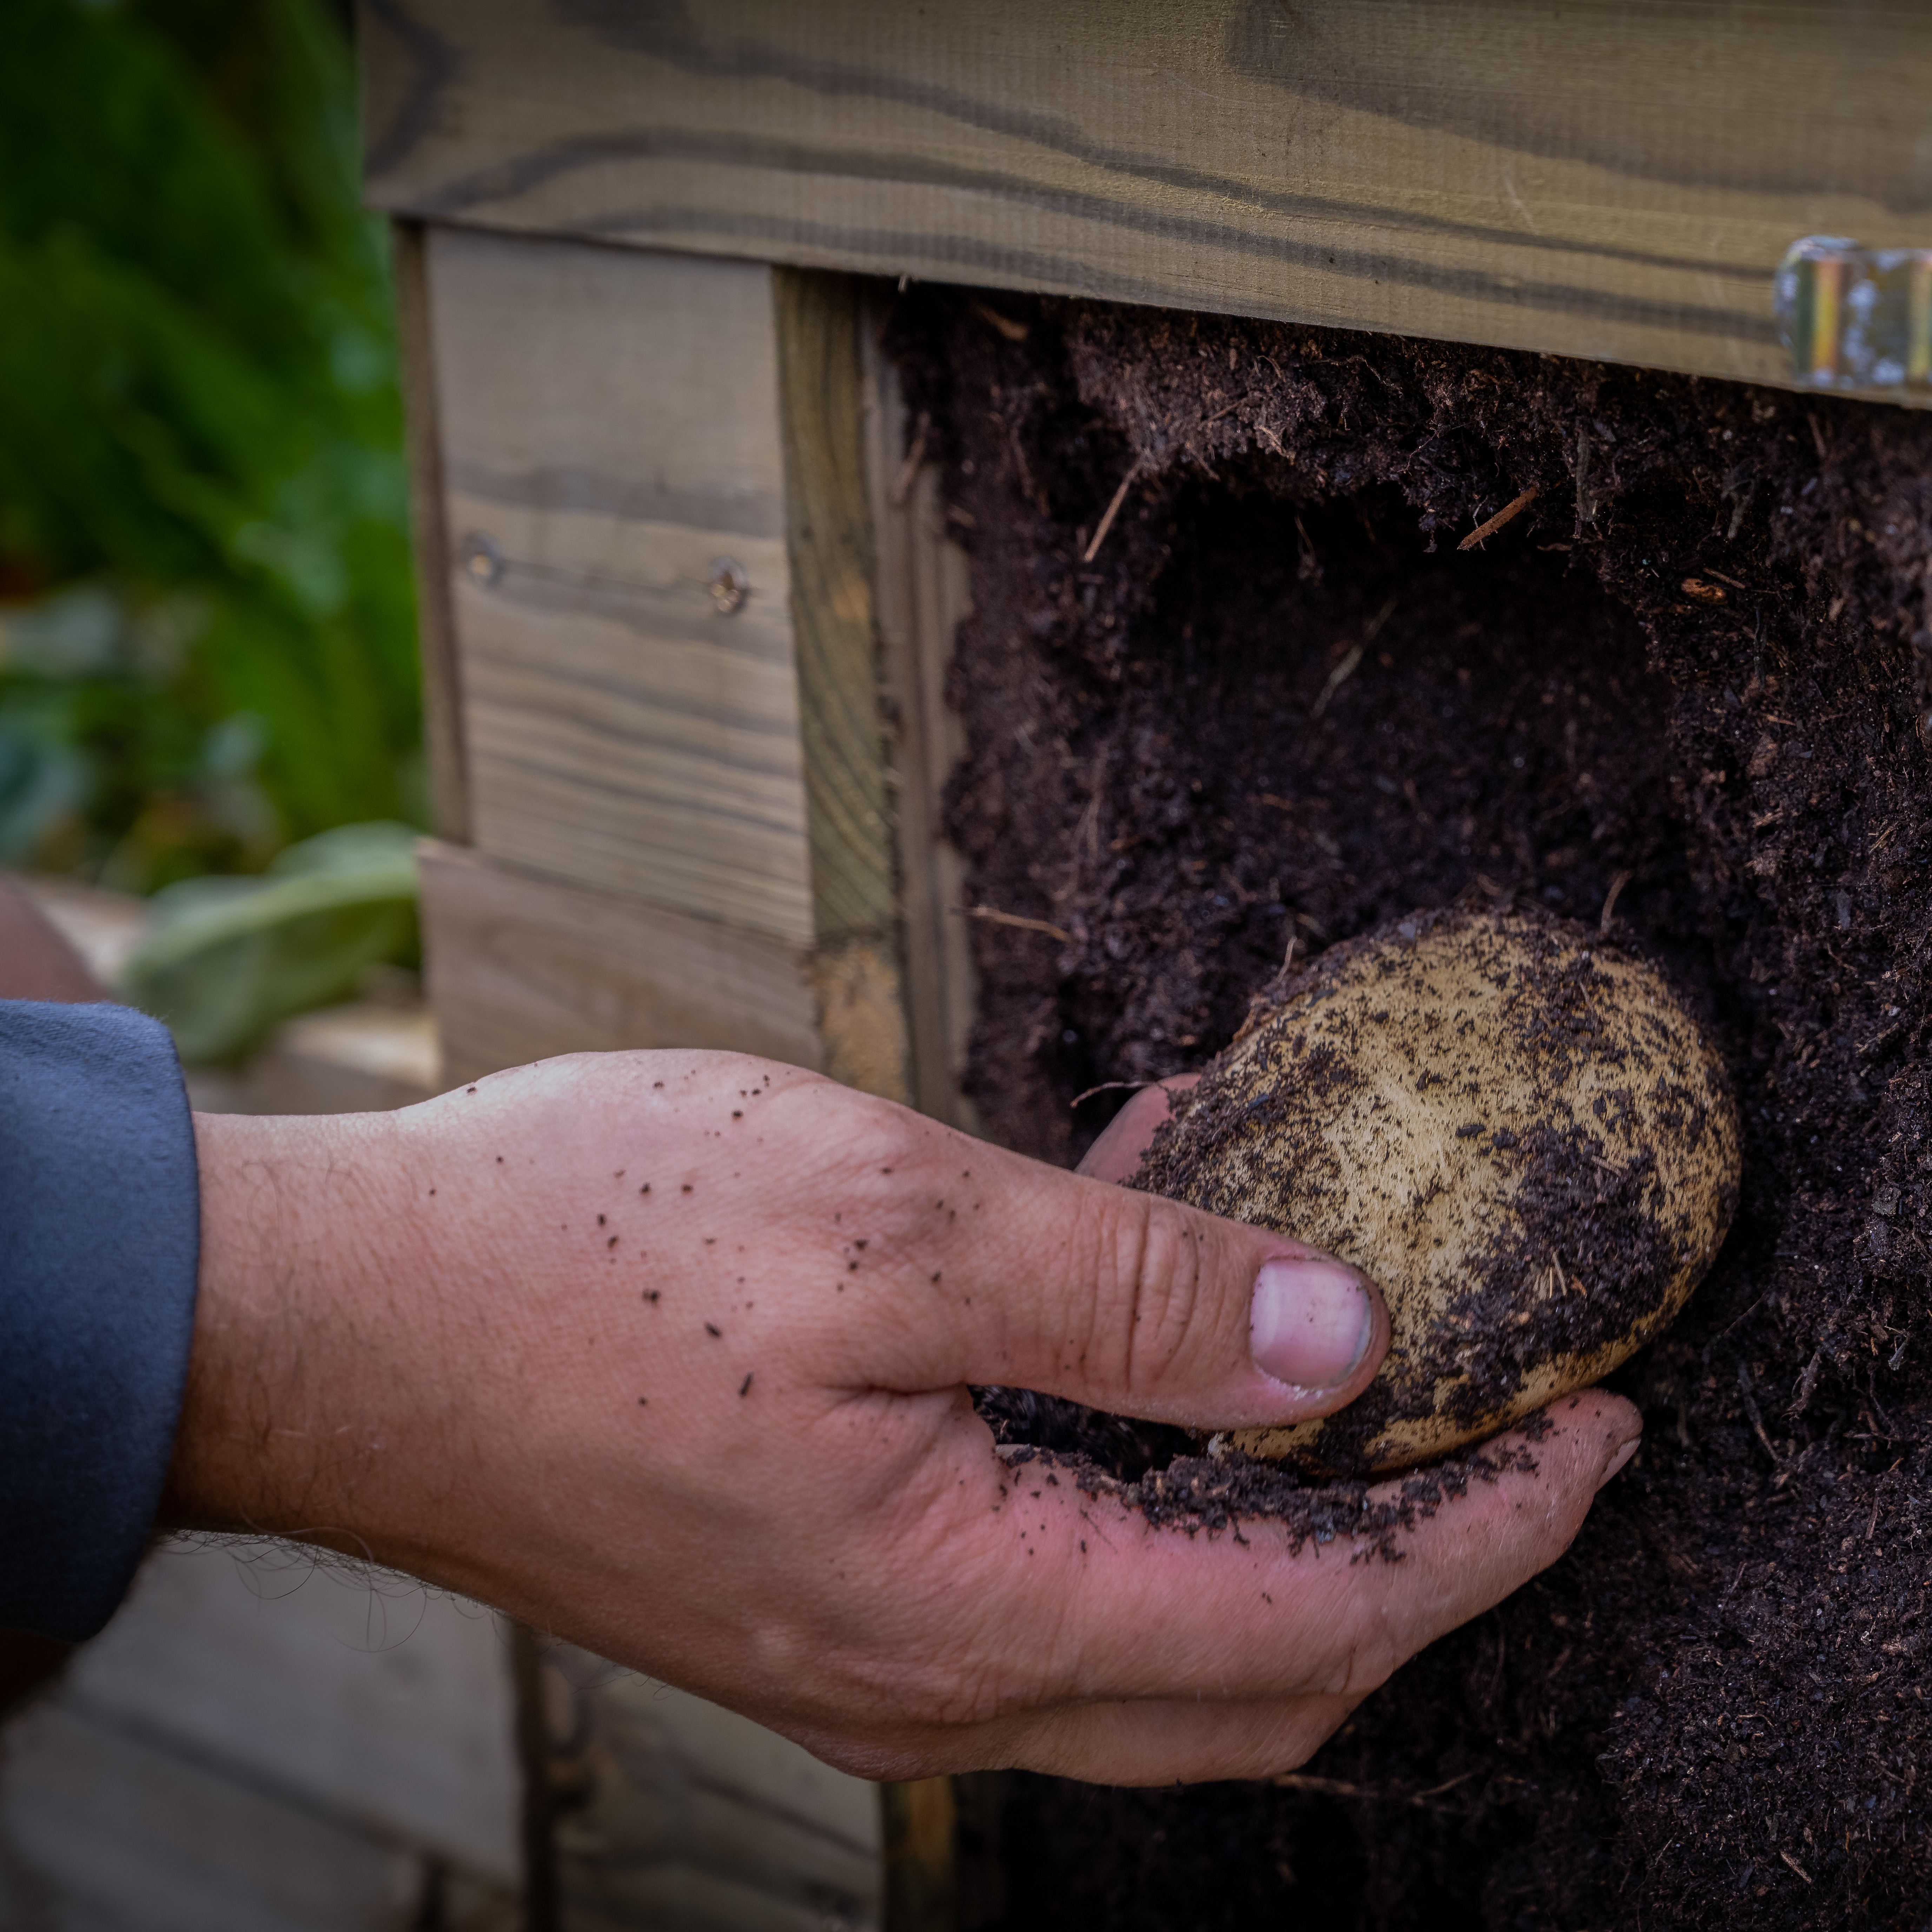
(1278, 701)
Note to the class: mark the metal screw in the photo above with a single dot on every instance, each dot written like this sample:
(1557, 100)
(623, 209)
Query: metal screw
(482, 561)
(730, 585)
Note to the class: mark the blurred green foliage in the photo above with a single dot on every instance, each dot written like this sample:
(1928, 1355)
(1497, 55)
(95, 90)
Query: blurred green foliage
(207, 631)
(226, 959)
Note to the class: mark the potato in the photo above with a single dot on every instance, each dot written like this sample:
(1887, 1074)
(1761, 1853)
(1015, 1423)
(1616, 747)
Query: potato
(1510, 1123)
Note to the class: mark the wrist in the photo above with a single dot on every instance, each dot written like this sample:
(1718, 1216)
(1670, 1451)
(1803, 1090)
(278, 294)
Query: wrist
(288, 1424)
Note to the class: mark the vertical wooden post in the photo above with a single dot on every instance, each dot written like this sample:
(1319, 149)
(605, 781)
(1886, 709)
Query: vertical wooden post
(856, 968)
(441, 679)
(539, 1809)
(878, 591)
(921, 595)
(666, 820)
(921, 1832)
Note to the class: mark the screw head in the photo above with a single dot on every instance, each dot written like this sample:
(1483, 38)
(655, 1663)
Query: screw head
(730, 585)
(481, 560)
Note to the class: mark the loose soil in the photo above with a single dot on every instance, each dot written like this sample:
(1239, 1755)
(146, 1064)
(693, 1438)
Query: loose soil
(1682, 690)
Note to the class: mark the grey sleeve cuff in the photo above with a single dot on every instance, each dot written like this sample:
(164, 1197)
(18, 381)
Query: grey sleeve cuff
(100, 1240)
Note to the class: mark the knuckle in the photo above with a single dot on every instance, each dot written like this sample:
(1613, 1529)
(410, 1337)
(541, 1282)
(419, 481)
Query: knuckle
(850, 1143)
(1150, 1278)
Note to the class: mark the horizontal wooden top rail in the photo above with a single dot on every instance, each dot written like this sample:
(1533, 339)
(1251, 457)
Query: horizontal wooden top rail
(1616, 179)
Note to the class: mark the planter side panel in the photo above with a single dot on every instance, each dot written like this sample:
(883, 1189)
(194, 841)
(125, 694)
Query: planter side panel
(1614, 180)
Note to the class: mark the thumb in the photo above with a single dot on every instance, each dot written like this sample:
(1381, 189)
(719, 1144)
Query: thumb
(1129, 1302)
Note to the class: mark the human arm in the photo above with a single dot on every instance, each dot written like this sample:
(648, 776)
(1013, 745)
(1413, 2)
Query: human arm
(719, 1429)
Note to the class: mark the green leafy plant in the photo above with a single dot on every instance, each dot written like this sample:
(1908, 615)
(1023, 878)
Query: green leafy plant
(207, 637)
(227, 960)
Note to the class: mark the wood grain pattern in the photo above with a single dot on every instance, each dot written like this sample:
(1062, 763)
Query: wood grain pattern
(856, 970)
(828, 532)
(520, 968)
(689, 1818)
(611, 429)
(1613, 179)
(435, 633)
(99, 1827)
(921, 588)
(922, 1820)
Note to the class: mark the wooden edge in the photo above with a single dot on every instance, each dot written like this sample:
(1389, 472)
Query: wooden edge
(1606, 181)
(857, 974)
(538, 1820)
(442, 689)
(921, 1818)
(922, 594)
(520, 968)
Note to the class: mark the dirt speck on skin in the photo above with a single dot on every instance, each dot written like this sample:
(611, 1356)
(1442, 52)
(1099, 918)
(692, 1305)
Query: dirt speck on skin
(1729, 1665)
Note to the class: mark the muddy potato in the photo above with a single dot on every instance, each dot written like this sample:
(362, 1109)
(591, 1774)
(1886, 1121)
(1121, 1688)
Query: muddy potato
(1511, 1125)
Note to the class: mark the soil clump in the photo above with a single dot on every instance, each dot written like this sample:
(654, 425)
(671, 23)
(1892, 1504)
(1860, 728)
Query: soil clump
(1681, 693)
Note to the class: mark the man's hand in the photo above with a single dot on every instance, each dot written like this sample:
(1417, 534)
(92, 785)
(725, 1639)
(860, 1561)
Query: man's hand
(667, 1353)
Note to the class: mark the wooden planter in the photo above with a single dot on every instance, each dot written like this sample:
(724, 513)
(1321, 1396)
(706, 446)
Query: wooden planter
(687, 600)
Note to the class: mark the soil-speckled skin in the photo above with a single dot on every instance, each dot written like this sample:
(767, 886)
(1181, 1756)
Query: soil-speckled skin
(1514, 1127)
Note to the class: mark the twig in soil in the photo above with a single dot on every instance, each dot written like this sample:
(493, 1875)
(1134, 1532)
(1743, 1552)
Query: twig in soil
(1502, 517)
(1338, 677)
(1795, 1866)
(1338, 1787)
(1014, 331)
(1113, 510)
(1617, 882)
(1719, 1336)
(1800, 1397)
(1351, 660)
(914, 456)
(1756, 1419)
(994, 917)
(1108, 1086)
(1437, 1790)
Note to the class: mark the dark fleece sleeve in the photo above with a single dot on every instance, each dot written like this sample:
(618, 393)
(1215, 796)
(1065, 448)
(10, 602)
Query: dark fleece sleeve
(100, 1235)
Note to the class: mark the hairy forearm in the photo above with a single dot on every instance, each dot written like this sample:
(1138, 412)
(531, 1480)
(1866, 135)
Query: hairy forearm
(290, 1419)
(387, 1341)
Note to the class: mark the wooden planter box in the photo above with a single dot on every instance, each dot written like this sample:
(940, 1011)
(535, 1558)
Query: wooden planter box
(687, 602)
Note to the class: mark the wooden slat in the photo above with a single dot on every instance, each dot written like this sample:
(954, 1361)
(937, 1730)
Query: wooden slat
(611, 429)
(436, 635)
(828, 529)
(520, 968)
(921, 577)
(689, 1818)
(1612, 178)
(362, 1698)
(922, 1818)
(856, 966)
(100, 1829)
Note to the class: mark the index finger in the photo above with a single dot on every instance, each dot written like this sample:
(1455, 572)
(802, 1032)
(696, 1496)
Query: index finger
(1118, 1149)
